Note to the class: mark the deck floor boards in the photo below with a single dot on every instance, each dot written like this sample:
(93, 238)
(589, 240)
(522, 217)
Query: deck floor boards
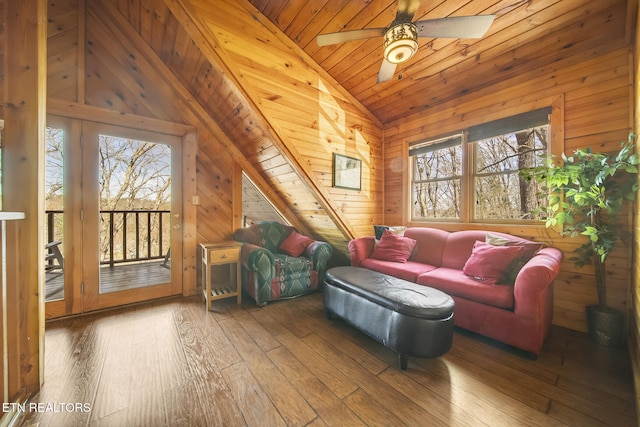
(170, 362)
(117, 278)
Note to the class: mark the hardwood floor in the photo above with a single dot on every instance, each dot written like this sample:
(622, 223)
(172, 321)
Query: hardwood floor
(171, 363)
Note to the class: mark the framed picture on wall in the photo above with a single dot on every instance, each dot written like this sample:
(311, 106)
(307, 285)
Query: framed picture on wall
(347, 172)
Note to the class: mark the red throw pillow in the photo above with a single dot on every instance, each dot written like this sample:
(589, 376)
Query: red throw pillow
(393, 247)
(530, 249)
(488, 263)
(295, 244)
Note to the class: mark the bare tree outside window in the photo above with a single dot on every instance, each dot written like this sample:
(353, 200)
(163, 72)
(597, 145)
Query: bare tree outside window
(500, 193)
(497, 191)
(53, 192)
(134, 176)
(436, 183)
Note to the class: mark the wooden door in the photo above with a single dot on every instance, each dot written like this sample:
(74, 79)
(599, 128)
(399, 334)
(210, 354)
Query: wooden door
(63, 227)
(116, 254)
(124, 226)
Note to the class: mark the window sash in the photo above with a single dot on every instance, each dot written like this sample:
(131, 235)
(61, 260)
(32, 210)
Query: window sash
(512, 124)
(434, 144)
(417, 183)
(502, 172)
(444, 178)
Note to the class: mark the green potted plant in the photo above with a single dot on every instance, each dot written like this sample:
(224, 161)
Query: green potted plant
(585, 193)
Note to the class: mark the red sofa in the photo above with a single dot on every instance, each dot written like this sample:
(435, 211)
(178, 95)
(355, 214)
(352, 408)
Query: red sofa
(517, 313)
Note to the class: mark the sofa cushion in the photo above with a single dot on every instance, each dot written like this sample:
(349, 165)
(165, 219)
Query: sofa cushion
(530, 249)
(288, 267)
(280, 287)
(291, 287)
(393, 247)
(378, 230)
(295, 244)
(407, 271)
(430, 244)
(455, 283)
(459, 246)
(489, 263)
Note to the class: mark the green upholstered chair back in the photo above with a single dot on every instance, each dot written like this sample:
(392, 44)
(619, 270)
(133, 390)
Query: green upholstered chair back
(272, 234)
(247, 235)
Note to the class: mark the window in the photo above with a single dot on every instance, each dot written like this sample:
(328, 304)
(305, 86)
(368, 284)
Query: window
(487, 188)
(499, 191)
(437, 175)
(255, 205)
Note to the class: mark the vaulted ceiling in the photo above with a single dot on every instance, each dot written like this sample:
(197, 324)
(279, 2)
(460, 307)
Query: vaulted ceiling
(526, 34)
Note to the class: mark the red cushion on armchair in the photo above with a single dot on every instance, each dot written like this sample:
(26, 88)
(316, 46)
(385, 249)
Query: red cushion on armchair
(295, 244)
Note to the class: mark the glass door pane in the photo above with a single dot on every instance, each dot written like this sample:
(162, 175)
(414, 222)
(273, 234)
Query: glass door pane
(135, 213)
(54, 208)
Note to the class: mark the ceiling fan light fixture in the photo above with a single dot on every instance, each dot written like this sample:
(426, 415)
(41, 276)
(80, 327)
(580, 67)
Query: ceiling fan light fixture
(400, 43)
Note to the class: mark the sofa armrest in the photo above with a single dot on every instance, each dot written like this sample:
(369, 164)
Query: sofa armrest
(361, 249)
(534, 281)
(258, 259)
(319, 253)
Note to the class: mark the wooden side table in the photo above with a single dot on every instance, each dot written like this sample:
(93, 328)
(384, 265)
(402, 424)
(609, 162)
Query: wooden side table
(220, 254)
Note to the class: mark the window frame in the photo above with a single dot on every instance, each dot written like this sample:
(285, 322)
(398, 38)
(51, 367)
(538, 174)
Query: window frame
(431, 145)
(469, 136)
(475, 175)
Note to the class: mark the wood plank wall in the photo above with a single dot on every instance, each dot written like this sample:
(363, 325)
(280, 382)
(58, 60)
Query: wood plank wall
(23, 101)
(593, 92)
(634, 321)
(310, 115)
(14, 387)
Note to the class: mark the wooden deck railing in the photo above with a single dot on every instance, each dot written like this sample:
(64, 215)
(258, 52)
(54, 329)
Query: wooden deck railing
(127, 236)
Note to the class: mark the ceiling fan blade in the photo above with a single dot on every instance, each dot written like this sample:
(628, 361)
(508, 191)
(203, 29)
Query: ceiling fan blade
(455, 27)
(406, 10)
(347, 36)
(387, 70)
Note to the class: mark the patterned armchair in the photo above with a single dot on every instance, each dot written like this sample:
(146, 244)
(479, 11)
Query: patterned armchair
(278, 262)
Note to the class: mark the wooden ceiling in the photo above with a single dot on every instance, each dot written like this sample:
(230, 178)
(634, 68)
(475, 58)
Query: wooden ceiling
(524, 35)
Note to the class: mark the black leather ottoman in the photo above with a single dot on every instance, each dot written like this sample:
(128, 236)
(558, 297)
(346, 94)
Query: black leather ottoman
(410, 319)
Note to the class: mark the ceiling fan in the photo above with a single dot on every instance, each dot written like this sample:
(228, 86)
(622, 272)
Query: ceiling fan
(401, 36)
